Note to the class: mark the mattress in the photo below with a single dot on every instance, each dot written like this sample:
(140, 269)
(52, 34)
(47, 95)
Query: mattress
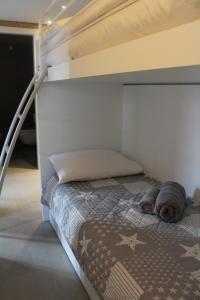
(123, 253)
(107, 23)
(140, 18)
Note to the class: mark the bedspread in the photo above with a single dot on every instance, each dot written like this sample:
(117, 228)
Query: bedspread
(126, 254)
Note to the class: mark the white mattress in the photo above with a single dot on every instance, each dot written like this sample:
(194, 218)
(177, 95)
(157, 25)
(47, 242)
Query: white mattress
(107, 23)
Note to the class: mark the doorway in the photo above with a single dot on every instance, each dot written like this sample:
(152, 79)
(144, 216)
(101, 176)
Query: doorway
(17, 69)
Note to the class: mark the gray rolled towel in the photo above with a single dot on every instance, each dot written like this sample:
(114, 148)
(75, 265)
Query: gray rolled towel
(170, 202)
(147, 203)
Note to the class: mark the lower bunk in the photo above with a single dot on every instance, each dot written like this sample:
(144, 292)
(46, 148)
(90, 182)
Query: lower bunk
(118, 252)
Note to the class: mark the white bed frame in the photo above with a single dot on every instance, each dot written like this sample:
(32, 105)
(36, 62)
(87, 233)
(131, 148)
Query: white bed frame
(47, 216)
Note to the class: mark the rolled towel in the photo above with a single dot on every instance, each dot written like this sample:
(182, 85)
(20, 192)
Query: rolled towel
(170, 202)
(147, 203)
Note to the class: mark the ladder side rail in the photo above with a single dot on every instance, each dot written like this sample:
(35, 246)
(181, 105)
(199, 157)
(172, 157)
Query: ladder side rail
(15, 118)
(19, 126)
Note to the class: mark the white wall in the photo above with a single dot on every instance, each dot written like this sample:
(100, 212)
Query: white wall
(161, 130)
(156, 125)
(77, 116)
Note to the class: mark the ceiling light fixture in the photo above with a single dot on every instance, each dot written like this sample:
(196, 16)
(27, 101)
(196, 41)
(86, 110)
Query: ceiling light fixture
(49, 22)
(63, 6)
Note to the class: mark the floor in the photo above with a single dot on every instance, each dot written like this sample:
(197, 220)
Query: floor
(33, 265)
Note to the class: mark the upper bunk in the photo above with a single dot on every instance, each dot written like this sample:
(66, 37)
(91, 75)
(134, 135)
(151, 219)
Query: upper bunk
(108, 37)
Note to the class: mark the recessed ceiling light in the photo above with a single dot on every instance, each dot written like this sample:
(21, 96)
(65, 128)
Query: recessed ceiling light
(49, 22)
(63, 6)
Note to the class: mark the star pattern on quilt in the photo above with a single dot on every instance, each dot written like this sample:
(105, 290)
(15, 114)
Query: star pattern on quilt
(126, 202)
(84, 243)
(130, 241)
(139, 220)
(156, 298)
(138, 187)
(196, 275)
(193, 251)
(197, 293)
(86, 195)
(196, 202)
(191, 224)
(103, 183)
(161, 290)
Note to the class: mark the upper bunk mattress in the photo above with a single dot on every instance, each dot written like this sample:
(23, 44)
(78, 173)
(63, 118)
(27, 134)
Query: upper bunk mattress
(126, 254)
(130, 20)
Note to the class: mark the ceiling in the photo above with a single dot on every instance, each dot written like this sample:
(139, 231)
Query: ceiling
(29, 10)
(23, 10)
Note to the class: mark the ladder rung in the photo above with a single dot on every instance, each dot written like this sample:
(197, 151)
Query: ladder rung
(19, 116)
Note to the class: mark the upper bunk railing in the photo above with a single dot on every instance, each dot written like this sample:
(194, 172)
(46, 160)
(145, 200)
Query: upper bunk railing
(59, 9)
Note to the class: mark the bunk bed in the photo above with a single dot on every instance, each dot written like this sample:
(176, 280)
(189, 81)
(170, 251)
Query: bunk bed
(93, 57)
(108, 37)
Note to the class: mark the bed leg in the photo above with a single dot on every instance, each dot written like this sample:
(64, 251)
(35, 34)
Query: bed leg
(45, 213)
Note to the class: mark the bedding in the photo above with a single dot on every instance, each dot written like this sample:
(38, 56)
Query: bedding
(126, 254)
(140, 18)
(92, 164)
(106, 23)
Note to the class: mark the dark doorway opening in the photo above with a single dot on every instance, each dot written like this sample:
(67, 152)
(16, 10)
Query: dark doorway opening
(16, 71)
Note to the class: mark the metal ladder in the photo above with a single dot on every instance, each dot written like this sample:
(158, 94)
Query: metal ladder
(18, 122)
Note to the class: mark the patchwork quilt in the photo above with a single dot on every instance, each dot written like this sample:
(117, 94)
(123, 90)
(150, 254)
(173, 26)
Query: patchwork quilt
(125, 254)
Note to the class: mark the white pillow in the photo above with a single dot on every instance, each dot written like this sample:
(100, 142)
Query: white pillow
(92, 164)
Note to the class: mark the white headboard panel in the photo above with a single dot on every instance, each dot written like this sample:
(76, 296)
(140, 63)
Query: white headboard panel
(161, 130)
(76, 116)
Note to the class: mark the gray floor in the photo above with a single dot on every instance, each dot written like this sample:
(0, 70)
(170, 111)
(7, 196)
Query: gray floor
(33, 265)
